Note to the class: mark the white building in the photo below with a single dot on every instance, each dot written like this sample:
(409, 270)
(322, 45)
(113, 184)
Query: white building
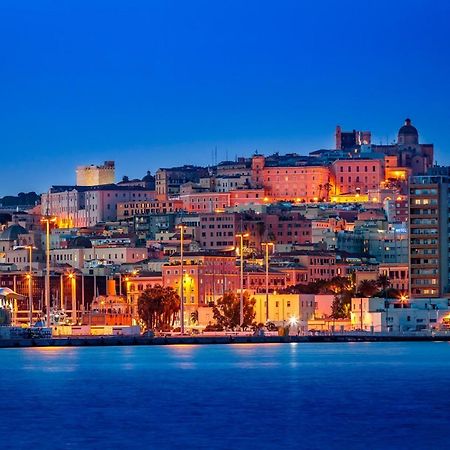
(398, 316)
(85, 206)
(86, 257)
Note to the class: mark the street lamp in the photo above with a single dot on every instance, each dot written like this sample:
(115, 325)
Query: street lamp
(241, 236)
(73, 296)
(47, 221)
(181, 227)
(267, 245)
(30, 285)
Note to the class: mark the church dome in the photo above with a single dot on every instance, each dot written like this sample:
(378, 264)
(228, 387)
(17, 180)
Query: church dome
(149, 177)
(408, 134)
(12, 233)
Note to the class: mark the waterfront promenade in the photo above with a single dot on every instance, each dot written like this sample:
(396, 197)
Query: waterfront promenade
(92, 341)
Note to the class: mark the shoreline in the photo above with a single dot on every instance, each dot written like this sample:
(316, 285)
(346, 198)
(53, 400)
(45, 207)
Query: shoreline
(101, 341)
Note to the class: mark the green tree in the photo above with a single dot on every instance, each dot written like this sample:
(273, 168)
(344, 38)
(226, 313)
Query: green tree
(367, 288)
(158, 307)
(328, 187)
(384, 284)
(341, 306)
(227, 311)
(344, 290)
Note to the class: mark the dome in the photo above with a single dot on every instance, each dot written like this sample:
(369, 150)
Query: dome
(149, 177)
(79, 242)
(408, 134)
(12, 233)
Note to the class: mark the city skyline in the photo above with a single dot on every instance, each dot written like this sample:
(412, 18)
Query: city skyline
(148, 85)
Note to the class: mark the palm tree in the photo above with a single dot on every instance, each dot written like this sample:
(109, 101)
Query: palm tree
(320, 192)
(328, 186)
(384, 283)
(368, 288)
(158, 306)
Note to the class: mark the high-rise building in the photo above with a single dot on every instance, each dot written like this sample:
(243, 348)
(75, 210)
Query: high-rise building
(429, 235)
(96, 175)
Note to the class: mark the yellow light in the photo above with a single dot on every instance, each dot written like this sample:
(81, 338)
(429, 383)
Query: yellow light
(293, 321)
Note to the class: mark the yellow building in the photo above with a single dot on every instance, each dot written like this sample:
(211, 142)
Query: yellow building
(284, 308)
(96, 175)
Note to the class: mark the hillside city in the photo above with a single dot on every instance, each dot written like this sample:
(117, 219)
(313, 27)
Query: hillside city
(349, 238)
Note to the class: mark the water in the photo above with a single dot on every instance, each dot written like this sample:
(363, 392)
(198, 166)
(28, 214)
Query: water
(363, 395)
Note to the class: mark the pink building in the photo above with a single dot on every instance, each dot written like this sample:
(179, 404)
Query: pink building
(357, 175)
(298, 183)
(206, 277)
(255, 280)
(85, 206)
(319, 265)
(246, 196)
(205, 201)
(284, 229)
(217, 231)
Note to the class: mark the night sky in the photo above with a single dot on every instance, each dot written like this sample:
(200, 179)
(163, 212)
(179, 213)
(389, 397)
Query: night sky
(160, 83)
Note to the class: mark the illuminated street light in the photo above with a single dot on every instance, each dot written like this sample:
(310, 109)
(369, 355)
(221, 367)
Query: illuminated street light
(267, 245)
(182, 227)
(241, 236)
(73, 286)
(30, 284)
(47, 221)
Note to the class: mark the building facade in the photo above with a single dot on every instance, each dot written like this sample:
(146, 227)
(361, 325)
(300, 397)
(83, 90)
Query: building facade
(429, 235)
(96, 175)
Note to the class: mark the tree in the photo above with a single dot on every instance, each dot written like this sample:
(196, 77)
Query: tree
(367, 288)
(344, 290)
(383, 283)
(227, 311)
(340, 308)
(328, 187)
(158, 307)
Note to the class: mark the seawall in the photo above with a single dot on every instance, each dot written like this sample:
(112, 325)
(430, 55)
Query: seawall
(209, 340)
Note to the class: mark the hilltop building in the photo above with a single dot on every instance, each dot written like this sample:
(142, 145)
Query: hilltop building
(96, 175)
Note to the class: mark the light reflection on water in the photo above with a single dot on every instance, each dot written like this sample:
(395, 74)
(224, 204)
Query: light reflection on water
(377, 395)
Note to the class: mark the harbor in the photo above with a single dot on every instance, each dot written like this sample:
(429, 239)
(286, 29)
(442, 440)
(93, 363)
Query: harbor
(95, 341)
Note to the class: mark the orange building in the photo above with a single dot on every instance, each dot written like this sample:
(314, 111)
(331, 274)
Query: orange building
(206, 277)
(294, 183)
(245, 196)
(205, 201)
(356, 175)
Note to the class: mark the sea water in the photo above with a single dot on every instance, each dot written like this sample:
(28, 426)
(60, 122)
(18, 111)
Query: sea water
(274, 396)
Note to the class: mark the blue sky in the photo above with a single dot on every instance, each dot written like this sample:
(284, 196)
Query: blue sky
(153, 84)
